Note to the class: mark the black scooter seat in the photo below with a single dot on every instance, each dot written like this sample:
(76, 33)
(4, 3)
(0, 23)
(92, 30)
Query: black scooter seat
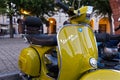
(42, 39)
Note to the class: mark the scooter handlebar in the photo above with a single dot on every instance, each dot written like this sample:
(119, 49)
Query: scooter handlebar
(60, 4)
(63, 6)
(104, 37)
(115, 37)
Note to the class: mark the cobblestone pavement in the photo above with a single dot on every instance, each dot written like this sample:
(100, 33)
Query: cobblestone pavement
(9, 51)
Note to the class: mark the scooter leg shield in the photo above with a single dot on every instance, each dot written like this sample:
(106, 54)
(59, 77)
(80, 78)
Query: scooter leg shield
(103, 74)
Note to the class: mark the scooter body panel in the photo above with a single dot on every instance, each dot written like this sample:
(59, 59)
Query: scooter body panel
(29, 62)
(42, 50)
(77, 46)
(102, 74)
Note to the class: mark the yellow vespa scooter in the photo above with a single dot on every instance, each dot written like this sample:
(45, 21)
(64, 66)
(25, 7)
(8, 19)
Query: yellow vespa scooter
(71, 54)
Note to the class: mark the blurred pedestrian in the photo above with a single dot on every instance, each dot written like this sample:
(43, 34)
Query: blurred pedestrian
(20, 26)
(21, 29)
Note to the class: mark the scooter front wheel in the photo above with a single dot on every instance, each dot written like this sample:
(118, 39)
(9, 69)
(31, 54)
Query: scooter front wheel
(102, 74)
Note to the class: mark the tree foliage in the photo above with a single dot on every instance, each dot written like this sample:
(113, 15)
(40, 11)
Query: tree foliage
(103, 7)
(35, 7)
(2, 6)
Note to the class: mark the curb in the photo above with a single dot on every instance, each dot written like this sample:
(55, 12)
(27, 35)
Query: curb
(10, 76)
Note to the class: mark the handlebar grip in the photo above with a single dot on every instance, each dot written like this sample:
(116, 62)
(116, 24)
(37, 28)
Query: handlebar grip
(115, 37)
(102, 37)
(60, 4)
(66, 8)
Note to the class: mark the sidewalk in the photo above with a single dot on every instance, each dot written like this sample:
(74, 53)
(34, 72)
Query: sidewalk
(9, 51)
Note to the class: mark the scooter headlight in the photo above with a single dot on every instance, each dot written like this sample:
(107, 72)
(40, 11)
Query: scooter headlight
(93, 62)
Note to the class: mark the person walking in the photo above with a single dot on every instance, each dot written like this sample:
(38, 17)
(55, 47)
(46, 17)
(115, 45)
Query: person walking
(21, 29)
(20, 26)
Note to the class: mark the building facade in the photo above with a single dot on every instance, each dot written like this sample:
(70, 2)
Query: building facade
(115, 5)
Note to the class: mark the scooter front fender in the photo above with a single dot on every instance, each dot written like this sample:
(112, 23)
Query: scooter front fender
(103, 74)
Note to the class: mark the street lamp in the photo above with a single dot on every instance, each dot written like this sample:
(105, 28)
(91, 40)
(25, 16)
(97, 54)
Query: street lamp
(25, 12)
(52, 25)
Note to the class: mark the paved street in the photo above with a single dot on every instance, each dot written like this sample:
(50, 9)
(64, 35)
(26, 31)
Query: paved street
(9, 52)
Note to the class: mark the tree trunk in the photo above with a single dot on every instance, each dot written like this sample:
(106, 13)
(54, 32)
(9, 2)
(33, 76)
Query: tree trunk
(11, 27)
(10, 21)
